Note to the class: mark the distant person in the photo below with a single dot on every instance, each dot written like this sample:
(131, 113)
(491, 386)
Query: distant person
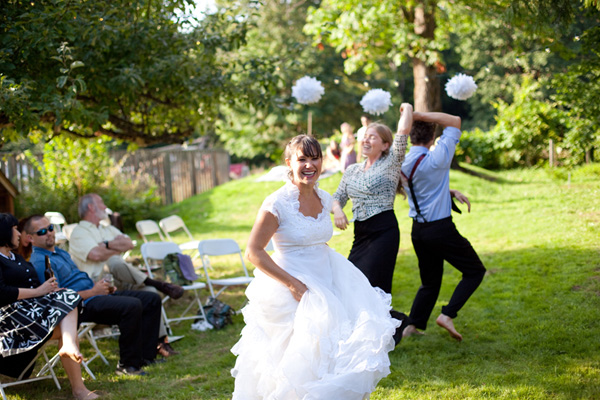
(315, 327)
(33, 313)
(25, 247)
(348, 156)
(97, 249)
(365, 120)
(332, 156)
(136, 312)
(434, 236)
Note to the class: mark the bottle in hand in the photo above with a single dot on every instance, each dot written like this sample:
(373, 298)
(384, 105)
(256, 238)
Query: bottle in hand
(48, 273)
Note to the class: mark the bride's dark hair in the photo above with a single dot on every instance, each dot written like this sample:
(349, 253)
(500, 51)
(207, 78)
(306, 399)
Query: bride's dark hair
(308, 145)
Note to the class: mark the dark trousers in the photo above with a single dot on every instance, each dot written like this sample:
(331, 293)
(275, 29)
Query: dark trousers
(435, 242)
(137, 313)
(375, 248)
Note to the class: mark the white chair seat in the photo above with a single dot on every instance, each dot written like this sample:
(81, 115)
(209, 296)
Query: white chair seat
(193, 245)
(196, 285)
(240, 280)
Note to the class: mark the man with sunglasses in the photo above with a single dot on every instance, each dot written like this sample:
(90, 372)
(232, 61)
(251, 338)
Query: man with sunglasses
(97, 248)
(136, 312)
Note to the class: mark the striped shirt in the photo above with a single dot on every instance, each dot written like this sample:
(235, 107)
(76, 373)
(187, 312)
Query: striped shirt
(373, 191)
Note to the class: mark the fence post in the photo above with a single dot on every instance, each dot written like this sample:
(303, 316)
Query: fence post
(167, 175)
(551, 153)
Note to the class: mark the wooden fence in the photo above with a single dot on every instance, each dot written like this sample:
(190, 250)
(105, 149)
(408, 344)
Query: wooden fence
(179, 172)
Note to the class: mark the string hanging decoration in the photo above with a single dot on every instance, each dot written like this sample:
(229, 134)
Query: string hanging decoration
(461, 87)
(376, 101)
(307, 90)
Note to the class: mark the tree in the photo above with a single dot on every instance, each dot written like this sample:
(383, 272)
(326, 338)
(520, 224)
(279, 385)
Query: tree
(263, 130)
(417, 31)
(132, 70)
(368, 31)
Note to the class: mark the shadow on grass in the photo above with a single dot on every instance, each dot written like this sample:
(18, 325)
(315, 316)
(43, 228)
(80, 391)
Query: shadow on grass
(531, 329)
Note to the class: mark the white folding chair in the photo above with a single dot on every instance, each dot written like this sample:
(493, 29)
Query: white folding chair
(86, 331)
(175, 223)
(68, 229)
(149, 227)
(157, 251)
(58, 220)
(221, 247)
(47, 372)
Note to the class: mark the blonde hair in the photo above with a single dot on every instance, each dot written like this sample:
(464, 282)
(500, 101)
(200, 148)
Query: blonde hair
(385, 133)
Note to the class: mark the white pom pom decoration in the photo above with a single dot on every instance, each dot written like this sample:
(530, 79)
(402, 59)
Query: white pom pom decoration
(461, 87)
(307, 90)
(376, 101)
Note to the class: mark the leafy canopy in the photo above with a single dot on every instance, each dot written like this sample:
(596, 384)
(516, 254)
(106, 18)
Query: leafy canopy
(133, 70)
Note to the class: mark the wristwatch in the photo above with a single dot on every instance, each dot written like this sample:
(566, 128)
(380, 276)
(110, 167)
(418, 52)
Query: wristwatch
(106, 243)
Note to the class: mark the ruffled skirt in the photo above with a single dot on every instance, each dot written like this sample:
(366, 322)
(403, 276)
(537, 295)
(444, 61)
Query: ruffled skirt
(333, 344)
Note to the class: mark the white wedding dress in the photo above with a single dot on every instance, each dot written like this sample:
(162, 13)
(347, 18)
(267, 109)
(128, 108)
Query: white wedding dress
(334, 343)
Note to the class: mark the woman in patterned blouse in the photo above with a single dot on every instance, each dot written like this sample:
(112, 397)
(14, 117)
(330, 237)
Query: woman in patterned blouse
(372, 186)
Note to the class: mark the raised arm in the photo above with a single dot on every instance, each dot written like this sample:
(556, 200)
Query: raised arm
(439, 118)
(263, 230)
(406, 119)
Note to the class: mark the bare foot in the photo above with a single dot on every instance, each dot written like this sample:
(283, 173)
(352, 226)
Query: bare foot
(85, 395)
(411, 330)
(446, 322)
(72, 352)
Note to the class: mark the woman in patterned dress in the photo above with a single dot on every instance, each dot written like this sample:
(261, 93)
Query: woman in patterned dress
(32, 313)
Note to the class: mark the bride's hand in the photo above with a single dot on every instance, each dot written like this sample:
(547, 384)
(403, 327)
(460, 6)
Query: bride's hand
(298, 289)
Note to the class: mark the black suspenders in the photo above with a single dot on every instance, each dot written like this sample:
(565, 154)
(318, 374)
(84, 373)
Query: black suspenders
(412, 192)
(410, 185)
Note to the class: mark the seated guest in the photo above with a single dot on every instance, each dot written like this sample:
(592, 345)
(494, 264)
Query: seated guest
(136, 312)
(33, 313)
(97, 249)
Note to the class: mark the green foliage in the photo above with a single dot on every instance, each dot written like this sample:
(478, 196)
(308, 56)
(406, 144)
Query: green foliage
(70, 168)
(479, 148)
(525, 126)
(578, 92)
(261, 130)
(135, 71)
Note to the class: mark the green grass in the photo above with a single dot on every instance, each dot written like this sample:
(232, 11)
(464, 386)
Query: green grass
(531, 330)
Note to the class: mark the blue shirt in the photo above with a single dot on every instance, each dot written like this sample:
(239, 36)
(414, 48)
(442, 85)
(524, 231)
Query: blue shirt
(65, 270)
(431, 180)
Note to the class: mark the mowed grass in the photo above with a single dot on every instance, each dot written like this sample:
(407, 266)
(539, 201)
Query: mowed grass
(531, 331)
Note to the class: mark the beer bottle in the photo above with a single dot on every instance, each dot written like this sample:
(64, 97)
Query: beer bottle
(48, 273)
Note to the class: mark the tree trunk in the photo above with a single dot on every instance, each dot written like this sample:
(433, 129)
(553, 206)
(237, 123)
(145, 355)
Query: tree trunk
(427, 85)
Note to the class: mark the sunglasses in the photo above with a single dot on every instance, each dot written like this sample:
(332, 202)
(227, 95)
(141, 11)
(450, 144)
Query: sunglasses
(43, 231)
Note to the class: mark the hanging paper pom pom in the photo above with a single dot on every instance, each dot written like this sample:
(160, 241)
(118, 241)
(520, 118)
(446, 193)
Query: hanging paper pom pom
(376, 101)
(461, 87)
(307, 90)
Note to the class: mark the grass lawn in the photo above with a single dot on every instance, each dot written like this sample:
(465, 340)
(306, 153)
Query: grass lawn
(531, 331)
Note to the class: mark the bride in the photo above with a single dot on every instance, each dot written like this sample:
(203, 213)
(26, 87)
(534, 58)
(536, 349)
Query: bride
(315, 327)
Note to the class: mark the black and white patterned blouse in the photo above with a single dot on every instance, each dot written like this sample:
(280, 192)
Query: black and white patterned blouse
(373, 191)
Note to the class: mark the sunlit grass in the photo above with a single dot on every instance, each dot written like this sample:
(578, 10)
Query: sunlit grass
(531, 330)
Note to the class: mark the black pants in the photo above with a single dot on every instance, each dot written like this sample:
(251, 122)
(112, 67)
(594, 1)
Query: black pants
(435, 242)
(375, 248)
(137, 313)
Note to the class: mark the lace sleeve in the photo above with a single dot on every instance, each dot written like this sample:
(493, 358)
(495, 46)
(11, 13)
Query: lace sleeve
(270, 205)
